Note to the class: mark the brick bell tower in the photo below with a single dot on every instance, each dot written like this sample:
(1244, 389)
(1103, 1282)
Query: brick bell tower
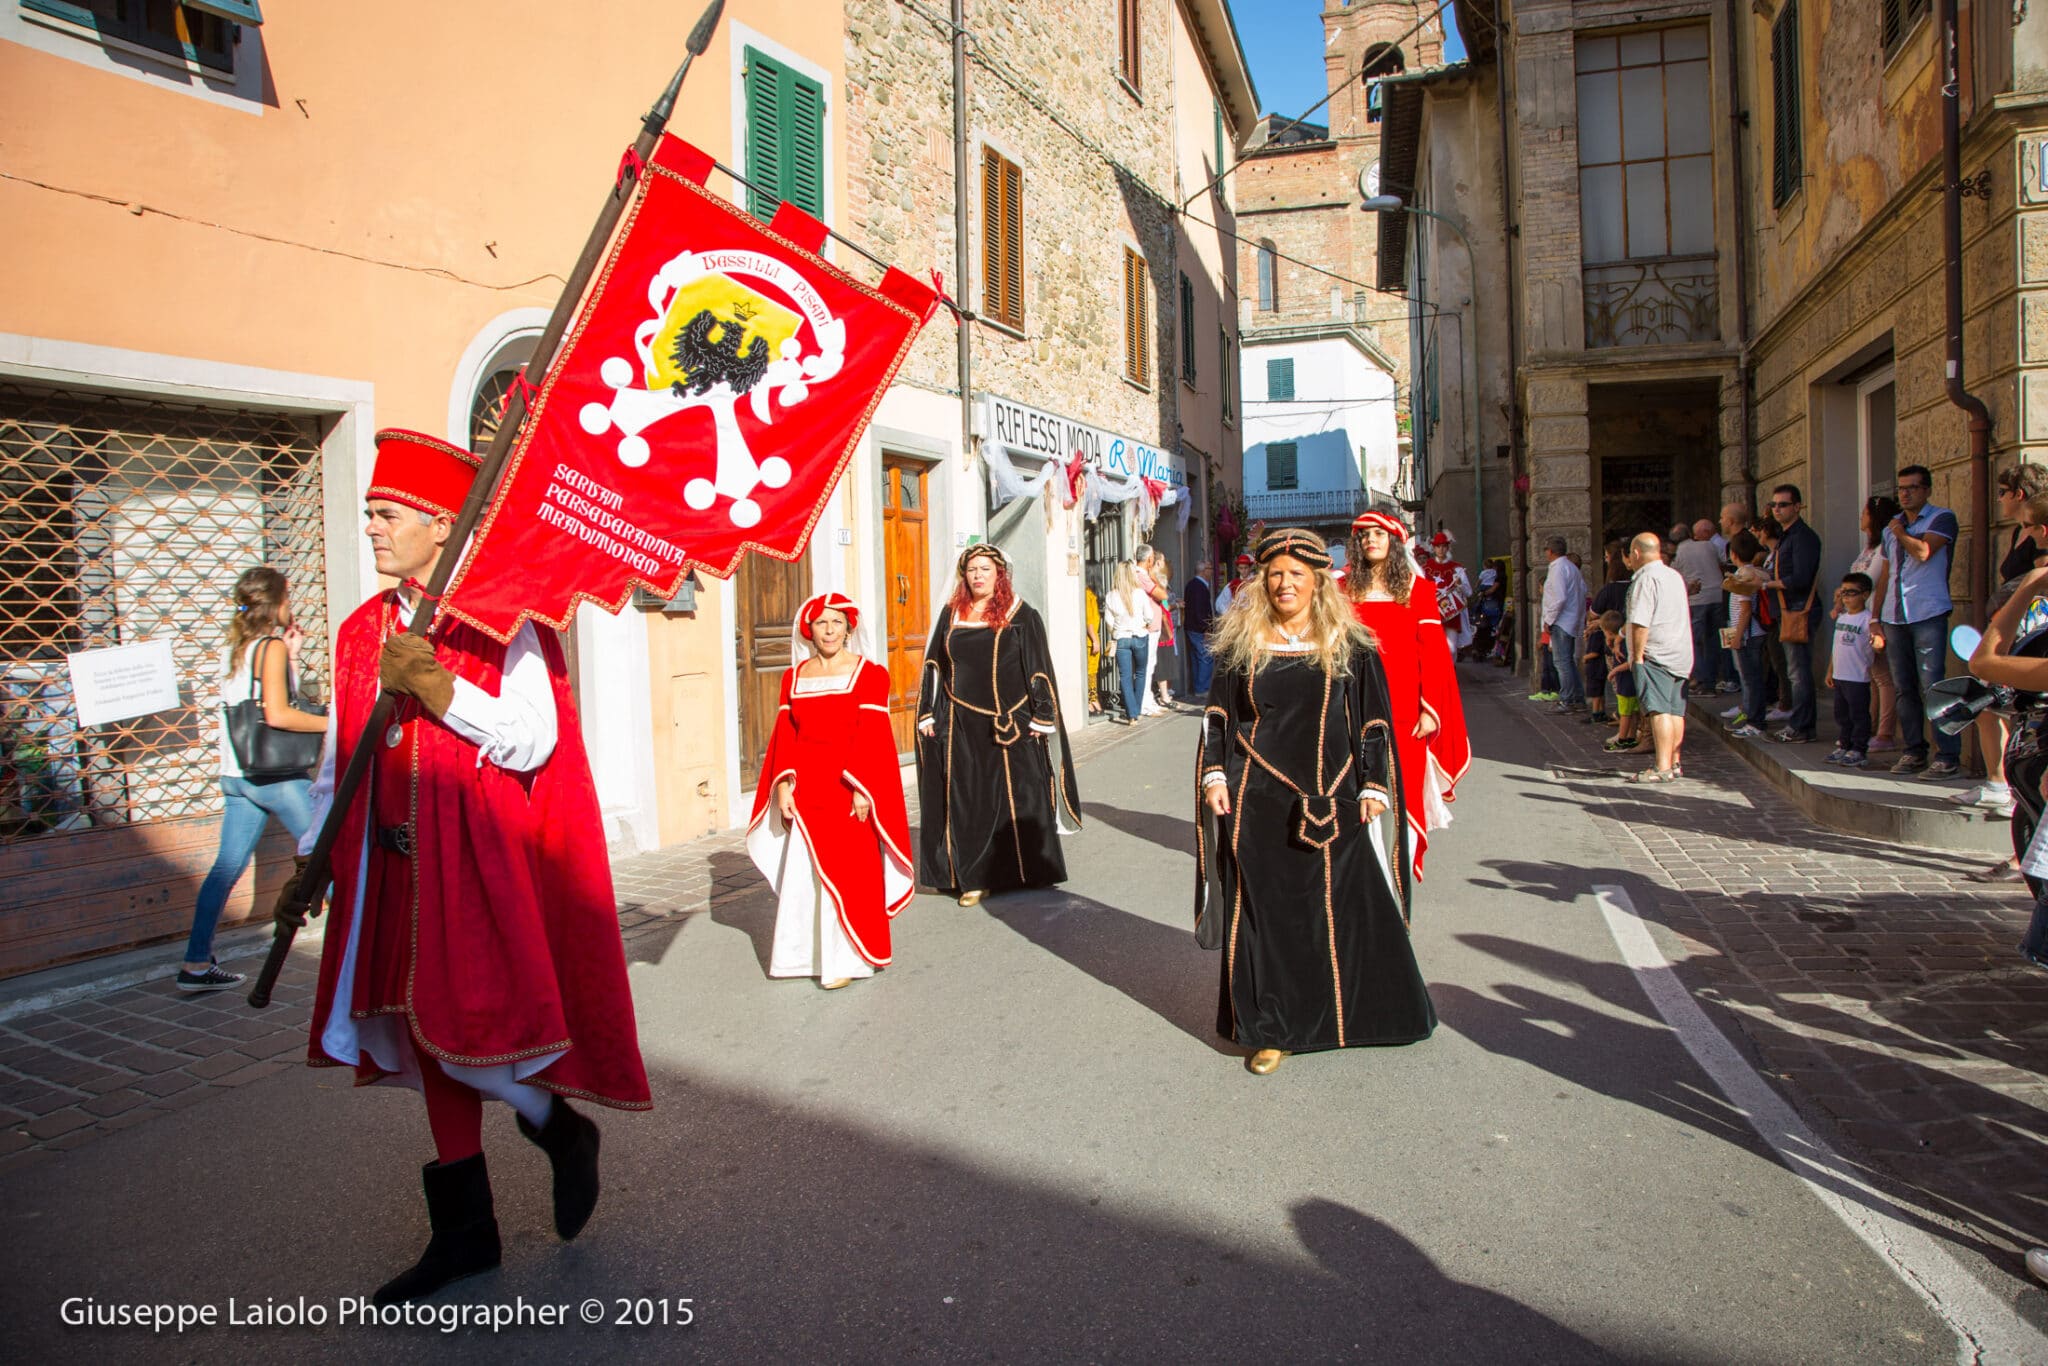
(1360, 30)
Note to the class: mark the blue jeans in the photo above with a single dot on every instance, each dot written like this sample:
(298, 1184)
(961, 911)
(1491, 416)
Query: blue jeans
(1756, 681)
(1564, 649)
(1199, 666)
(1706, 644)
(1918, 655)
(1798, 657)
(250, 807)
(1130, 672)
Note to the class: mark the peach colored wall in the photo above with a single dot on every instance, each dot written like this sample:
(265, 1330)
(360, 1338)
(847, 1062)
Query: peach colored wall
(416, 171)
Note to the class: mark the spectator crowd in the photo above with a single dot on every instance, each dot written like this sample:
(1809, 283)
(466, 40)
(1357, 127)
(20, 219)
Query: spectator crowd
(1732, 606)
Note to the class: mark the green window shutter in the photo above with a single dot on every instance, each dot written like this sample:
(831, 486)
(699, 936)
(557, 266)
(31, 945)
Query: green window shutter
(1280, 379)
(1281, 471)
(785, 138)
(1219, 139)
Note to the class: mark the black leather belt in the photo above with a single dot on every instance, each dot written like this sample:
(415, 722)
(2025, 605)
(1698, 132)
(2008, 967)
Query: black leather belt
(396, 838)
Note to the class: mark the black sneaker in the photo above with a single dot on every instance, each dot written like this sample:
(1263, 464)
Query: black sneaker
(215, 978)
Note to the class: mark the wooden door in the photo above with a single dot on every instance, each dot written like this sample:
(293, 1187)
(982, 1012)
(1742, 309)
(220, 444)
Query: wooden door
(768, 592)
(906, 588)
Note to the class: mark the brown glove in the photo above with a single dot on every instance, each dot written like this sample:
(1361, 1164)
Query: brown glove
(290, 910)
(408, 666)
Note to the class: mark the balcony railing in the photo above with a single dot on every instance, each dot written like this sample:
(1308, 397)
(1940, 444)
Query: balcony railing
(1308, 505)
(1652, 302)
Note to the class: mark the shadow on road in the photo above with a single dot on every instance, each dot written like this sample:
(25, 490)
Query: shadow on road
(1158, 966)
(1578, 1044)
(1174, 834)
(799, 1236)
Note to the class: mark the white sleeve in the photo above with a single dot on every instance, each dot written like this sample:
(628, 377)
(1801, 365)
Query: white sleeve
(322, 794)
(515, 729)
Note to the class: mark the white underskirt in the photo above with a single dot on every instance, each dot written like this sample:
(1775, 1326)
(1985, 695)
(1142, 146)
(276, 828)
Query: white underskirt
(1376, 836)
(809, 941)
(386, 1039)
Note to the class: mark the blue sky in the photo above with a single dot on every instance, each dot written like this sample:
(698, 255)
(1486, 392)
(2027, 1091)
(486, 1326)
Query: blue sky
(1283, 43)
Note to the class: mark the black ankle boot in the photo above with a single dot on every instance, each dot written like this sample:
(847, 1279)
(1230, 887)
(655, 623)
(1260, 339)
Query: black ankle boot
(465, 1228)
(570, 1141)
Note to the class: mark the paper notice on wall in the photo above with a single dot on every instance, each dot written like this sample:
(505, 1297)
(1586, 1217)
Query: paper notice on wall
(123, 681)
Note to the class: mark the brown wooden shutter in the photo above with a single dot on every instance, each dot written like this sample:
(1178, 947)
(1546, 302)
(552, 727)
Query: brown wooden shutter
(1137, 320)
(991, 233)
(1013, 244)
(1002, 239)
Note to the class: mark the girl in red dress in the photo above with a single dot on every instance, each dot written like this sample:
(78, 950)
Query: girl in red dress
(1422, 682)
(829, 830)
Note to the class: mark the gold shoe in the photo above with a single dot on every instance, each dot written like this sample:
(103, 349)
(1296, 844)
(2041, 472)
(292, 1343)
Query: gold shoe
(834, 984)
(1265, 1060)
(971, 898)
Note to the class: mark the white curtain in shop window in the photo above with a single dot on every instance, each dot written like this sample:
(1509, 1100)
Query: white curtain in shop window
(1006, 482)
(1103, 489)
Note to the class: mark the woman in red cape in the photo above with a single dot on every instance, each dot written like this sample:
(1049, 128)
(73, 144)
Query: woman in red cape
(1422, 681)
(830, 831)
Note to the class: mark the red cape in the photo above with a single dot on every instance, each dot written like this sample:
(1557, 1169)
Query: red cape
(1421, 677)
(513, 948)
(833, 745)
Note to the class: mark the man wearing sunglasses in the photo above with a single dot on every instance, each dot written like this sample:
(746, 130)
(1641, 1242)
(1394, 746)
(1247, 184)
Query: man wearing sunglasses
(1917, 547)
(1789, 599)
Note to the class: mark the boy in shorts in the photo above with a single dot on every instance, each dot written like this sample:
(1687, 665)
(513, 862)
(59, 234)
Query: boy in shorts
(1612, 624)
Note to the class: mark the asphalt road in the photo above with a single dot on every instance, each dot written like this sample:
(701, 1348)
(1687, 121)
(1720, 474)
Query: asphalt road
(1023, 1142)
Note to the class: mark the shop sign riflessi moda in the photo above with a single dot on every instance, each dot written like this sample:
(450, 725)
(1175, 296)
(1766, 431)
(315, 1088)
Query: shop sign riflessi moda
(1092, 466)
(711, 393)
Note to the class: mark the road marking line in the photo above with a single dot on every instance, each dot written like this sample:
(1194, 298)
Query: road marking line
(1988, 1329)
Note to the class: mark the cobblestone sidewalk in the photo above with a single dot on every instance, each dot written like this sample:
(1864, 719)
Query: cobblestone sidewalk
(1872, 981)
(104, 1062)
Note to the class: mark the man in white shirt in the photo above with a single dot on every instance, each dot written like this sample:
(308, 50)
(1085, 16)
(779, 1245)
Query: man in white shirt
(1659, 649)
(1564, 616)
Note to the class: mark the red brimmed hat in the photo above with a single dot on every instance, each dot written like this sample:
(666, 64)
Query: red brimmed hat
(1244, 562)
(422, 472)
(1391, 525)
(827, 602)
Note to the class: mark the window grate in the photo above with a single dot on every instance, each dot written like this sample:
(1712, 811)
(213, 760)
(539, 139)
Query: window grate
(123, 520)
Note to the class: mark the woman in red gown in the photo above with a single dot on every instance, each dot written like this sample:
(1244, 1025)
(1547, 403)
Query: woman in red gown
(1422, 682)
(829, 830)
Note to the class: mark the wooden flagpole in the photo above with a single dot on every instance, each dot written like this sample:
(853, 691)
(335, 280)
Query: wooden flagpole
(313, 880)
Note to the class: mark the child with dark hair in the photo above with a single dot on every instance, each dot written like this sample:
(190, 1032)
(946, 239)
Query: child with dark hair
(1614, 626)
(1849, 671)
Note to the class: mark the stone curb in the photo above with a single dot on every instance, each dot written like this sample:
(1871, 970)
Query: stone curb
(1958, 831)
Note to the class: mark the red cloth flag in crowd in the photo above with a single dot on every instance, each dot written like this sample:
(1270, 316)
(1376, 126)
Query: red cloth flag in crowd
(713, 388)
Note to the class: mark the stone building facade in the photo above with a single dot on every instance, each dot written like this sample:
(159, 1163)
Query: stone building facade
(1850, 349)
(1098, 280)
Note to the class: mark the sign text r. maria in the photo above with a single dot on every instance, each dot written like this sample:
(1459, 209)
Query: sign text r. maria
(1033, 431)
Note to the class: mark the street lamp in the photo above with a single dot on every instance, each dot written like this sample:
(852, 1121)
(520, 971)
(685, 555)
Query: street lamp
(1393, 203)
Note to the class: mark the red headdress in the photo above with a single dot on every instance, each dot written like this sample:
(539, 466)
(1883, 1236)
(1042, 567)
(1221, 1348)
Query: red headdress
(1391, 525)
(422, 472)
(827, 602)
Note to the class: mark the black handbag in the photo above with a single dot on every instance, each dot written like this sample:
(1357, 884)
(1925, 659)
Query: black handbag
(264, 751)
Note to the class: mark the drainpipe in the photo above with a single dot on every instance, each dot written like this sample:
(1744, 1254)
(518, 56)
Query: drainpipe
(964, 333)
(1518, 503)
(1736, 140)
(1952, 252)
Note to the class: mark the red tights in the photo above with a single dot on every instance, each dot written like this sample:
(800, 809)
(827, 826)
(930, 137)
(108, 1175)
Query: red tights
(455, 1113)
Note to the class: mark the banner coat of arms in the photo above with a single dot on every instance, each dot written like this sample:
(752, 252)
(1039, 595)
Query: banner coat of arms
(715, 385)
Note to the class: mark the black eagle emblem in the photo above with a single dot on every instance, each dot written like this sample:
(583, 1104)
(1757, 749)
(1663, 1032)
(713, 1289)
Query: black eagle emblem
(707, 362)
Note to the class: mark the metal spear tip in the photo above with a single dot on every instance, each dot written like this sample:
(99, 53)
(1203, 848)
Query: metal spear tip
(700, 36)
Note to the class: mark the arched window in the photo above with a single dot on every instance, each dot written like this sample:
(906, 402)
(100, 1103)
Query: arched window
(1381, 60)
(1269, 278)
(487, 407)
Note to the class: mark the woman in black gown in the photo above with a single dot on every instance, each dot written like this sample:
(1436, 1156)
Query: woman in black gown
(1297, 759)
(995, 784)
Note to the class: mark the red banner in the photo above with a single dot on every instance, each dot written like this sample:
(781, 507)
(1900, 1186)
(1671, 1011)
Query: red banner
(709, 396)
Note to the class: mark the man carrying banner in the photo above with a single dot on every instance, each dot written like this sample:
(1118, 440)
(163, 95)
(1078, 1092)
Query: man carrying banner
(474, 950)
